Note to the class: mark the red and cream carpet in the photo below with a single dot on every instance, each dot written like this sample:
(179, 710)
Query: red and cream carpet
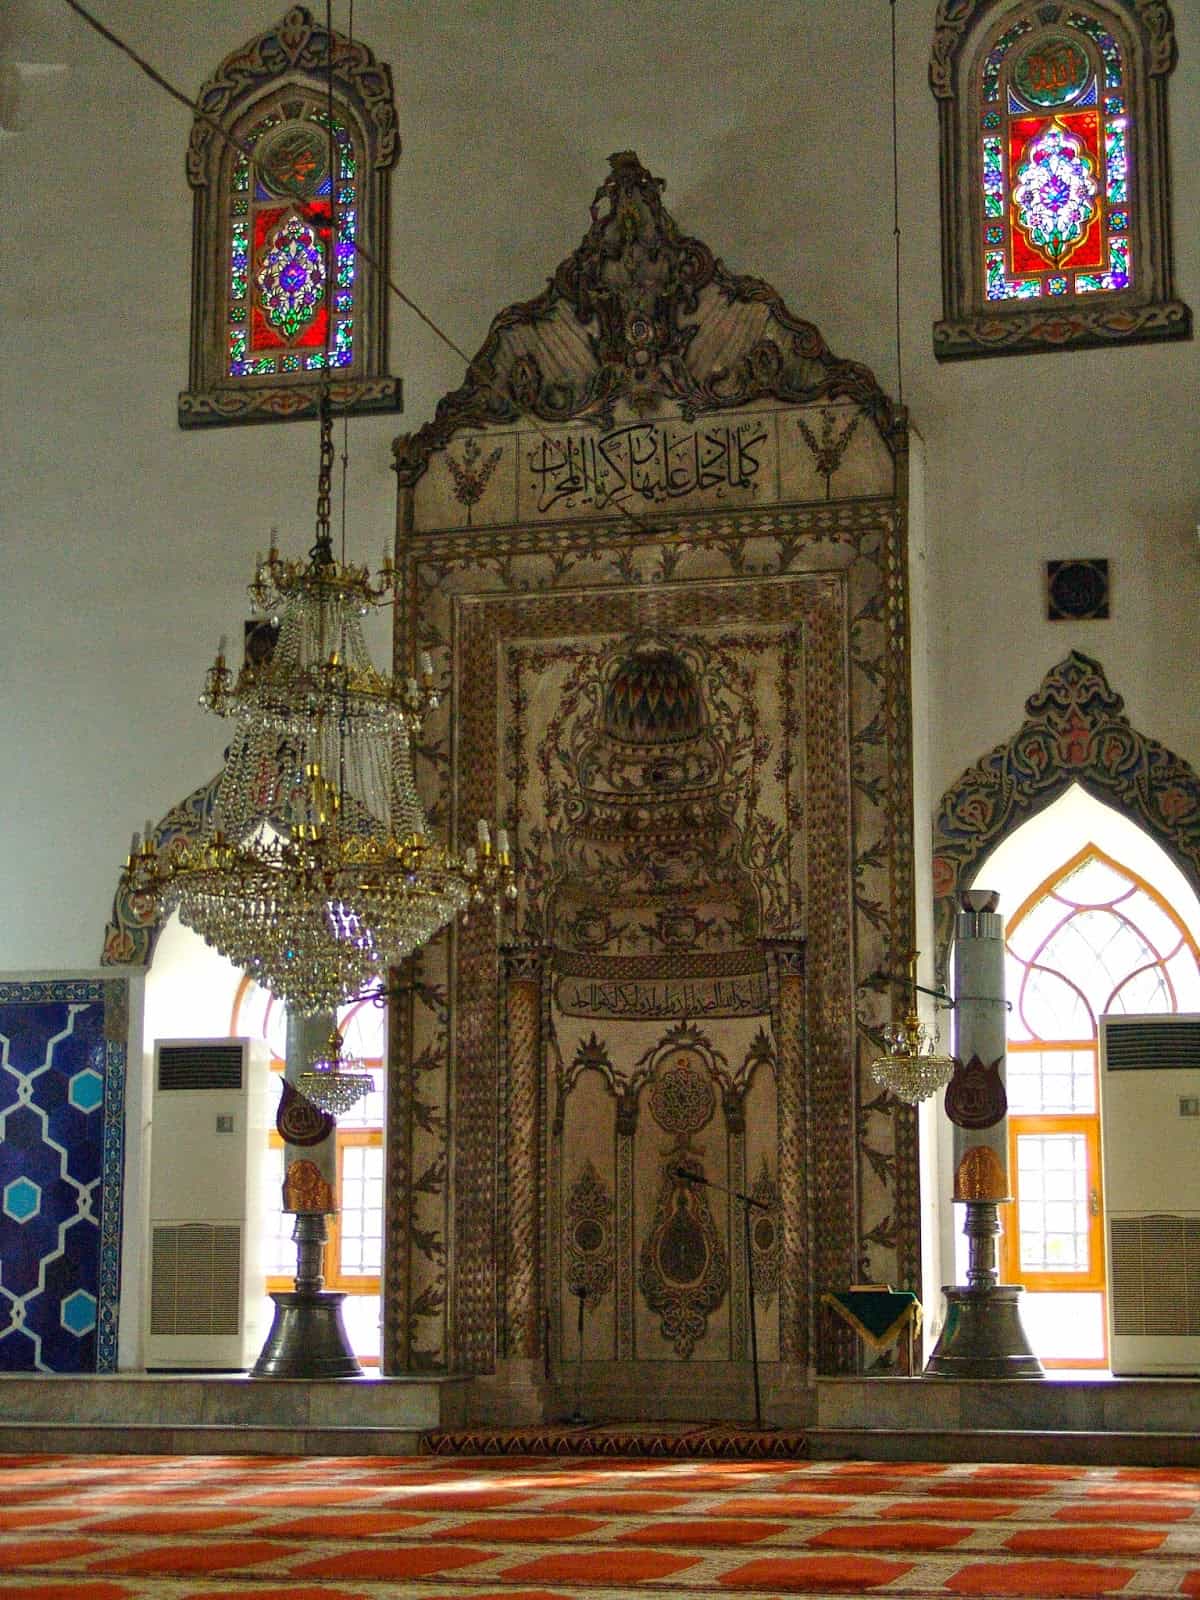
(537, 1528)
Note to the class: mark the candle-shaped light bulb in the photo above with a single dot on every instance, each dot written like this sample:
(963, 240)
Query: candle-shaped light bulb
(484, 835)
(135, 845)
(470, 861)
(148, 833)
(222, 646)
(426, 664)
(411, 688)
(502, 841)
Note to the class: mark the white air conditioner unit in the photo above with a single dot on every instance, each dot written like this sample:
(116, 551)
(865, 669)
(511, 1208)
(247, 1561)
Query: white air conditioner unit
(1150, 1132)
(208, 1149)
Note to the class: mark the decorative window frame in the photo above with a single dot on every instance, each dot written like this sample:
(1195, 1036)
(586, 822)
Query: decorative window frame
(1147, 310)
(1075, 731)
(288, 65)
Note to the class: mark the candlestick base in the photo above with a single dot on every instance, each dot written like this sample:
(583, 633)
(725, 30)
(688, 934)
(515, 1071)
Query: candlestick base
(983, 1336)
(307, 1338)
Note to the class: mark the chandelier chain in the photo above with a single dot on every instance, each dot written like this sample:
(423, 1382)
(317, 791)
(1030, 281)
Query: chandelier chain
(322, 550)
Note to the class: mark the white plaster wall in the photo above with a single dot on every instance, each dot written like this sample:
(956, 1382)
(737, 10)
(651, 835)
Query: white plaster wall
(125, 544)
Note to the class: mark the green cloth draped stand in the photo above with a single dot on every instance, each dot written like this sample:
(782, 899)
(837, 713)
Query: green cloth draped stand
(880, 1316)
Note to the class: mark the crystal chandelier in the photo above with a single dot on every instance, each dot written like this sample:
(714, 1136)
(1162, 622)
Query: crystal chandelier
(316, 870)
(912, 1068)
(334, 1082)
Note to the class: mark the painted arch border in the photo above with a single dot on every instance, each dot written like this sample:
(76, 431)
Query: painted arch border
(1075, 731)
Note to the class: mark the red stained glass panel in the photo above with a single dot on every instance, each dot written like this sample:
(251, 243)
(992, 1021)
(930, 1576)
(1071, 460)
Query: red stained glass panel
(1088, 253)
(262, 335)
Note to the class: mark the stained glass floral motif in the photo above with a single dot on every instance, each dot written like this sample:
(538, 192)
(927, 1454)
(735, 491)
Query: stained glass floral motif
(1054, 195)
(1117, 277)
(291, 277)
(1109, 48)
(239, 257)
(1054, 171)
(995, 57)
(1116, 161)
(1001, 287)
(347, 227)
(279, 235)
(993, 178)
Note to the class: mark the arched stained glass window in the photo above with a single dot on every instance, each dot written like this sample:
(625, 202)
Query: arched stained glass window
(1054, 181)
(280, 216)
(275, 299)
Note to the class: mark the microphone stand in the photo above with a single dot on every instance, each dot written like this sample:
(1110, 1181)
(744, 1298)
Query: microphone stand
(749, 1203)
(578, 1418)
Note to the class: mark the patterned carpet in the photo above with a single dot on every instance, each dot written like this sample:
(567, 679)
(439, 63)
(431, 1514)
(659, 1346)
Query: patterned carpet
(724, 1440)
(255, 1528)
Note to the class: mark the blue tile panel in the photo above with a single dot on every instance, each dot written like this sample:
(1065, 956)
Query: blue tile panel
(62, 1110)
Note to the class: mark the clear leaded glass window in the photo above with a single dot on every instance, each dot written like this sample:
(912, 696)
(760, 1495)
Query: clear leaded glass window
(1093, 938)
(1055, 181)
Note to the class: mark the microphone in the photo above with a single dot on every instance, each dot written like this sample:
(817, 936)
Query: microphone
(685, 1176)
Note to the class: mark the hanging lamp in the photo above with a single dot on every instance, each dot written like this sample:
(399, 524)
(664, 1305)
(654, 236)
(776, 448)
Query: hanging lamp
(912, 1068)
(316, 870)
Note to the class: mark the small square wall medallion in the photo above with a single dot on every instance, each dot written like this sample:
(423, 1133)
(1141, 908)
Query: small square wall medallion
(1077, 591)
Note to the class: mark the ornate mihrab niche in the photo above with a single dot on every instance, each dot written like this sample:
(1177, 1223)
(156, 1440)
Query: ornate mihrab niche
(656, 544)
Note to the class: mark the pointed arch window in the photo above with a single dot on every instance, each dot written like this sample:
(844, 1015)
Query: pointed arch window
(275, 299)
(1093, 938)
(1055, 195)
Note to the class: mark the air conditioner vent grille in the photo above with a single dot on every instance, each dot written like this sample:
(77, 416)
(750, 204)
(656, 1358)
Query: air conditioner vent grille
(195, 1279)
(206, 1065)
(1152, 1044)
(1155, 1276)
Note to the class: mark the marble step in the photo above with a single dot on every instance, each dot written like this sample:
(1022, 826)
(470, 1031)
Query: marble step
(1065, 1447)
(155, 1413)
(202, 1439)
(1100, 1405)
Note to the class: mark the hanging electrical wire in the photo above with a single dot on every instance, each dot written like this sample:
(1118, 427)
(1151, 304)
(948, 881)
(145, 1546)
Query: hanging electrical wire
(896, 211)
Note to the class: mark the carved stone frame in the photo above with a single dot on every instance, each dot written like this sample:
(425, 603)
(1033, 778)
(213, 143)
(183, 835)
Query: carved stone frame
(292, 54)
(1149, 311)
(644, 321)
